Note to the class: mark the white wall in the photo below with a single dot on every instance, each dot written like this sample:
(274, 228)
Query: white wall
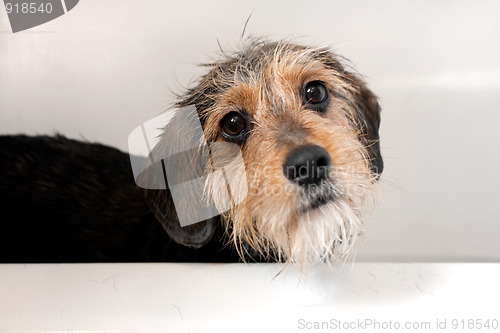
(107, 66)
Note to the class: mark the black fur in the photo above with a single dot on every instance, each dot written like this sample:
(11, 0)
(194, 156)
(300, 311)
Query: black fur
(68, 201)
(63, 200)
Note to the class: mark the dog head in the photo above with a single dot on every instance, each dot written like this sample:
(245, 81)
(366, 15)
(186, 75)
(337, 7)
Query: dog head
(307, 130)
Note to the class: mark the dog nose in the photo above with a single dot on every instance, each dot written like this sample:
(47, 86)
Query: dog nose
(307, 165)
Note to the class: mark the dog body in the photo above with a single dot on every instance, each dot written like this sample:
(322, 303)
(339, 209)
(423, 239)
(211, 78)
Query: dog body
(70, 201)
(307, 130)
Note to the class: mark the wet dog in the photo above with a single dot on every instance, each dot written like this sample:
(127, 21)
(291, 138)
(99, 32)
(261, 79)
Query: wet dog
(307, 130)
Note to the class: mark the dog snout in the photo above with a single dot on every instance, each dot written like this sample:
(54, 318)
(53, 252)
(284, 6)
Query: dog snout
(307, 165)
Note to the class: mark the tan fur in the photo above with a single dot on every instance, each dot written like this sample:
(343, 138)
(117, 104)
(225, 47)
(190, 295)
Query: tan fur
(269, 219)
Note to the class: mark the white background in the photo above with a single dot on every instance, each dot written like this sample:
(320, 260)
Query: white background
(107, 66)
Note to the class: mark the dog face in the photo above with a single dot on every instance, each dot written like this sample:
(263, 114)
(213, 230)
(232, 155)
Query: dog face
(308, 134)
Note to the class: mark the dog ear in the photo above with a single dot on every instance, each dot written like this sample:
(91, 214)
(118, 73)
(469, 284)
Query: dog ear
(174, 180)
(163, 208)
(368, 114)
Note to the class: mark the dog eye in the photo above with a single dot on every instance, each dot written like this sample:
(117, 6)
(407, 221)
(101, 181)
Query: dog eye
(233, 126)
(316, 95)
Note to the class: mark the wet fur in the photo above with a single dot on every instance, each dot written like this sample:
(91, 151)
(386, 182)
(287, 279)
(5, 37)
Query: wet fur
(68, 201)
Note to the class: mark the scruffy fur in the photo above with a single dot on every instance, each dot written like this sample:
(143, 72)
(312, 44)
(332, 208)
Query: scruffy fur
(264, 81)
(277, 220)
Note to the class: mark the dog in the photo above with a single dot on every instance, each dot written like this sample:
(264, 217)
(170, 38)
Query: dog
(305, 125)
